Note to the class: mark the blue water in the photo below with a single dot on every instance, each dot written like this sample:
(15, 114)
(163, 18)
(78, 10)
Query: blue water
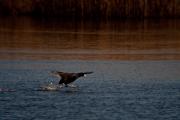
(117, 90)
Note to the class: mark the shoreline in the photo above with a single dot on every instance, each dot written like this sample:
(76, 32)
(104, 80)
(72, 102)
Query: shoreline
(88, 56)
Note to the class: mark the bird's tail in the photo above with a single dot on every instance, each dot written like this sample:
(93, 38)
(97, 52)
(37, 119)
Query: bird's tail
(83, 73)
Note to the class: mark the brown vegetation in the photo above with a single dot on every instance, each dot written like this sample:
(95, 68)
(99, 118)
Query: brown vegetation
(100, 9)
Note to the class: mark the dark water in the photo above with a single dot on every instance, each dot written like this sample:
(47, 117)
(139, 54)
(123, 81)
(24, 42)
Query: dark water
(136, 69)
(117, 90)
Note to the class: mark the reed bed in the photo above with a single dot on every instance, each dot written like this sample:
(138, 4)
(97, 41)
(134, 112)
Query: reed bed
(95, 9)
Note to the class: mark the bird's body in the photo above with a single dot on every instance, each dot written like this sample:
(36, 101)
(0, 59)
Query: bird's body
(67, 78)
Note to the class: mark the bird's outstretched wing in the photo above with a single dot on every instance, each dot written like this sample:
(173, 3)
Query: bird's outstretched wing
(67, 78)
(59, 74)
(62, 75)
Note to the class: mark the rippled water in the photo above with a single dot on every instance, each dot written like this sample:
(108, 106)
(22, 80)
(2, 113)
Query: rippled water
(136, 70)
(116, 90)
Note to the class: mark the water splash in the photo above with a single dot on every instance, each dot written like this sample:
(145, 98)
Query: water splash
(50, 87)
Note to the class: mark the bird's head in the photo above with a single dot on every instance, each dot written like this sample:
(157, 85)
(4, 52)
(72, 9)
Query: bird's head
(54, 73)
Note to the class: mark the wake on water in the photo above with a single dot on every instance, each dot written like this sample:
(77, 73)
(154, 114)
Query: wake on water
(53, 87)
(47, 87)
(50, 87)
(6, 90)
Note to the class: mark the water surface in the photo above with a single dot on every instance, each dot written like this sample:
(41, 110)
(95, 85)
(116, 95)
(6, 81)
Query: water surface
(136, 69)
(117, 90)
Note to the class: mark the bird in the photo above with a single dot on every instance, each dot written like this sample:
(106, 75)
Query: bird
(67, 78)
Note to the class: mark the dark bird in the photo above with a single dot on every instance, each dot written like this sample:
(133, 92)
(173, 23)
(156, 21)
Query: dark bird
(67, 78)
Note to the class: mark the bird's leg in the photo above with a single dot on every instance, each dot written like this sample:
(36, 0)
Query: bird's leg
(61, 85)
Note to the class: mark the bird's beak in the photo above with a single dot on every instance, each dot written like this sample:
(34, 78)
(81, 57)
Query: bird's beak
(54, 74)
(50, 73)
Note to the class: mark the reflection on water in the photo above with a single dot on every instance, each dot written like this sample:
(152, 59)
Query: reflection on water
(124, 90)
(25, 38)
